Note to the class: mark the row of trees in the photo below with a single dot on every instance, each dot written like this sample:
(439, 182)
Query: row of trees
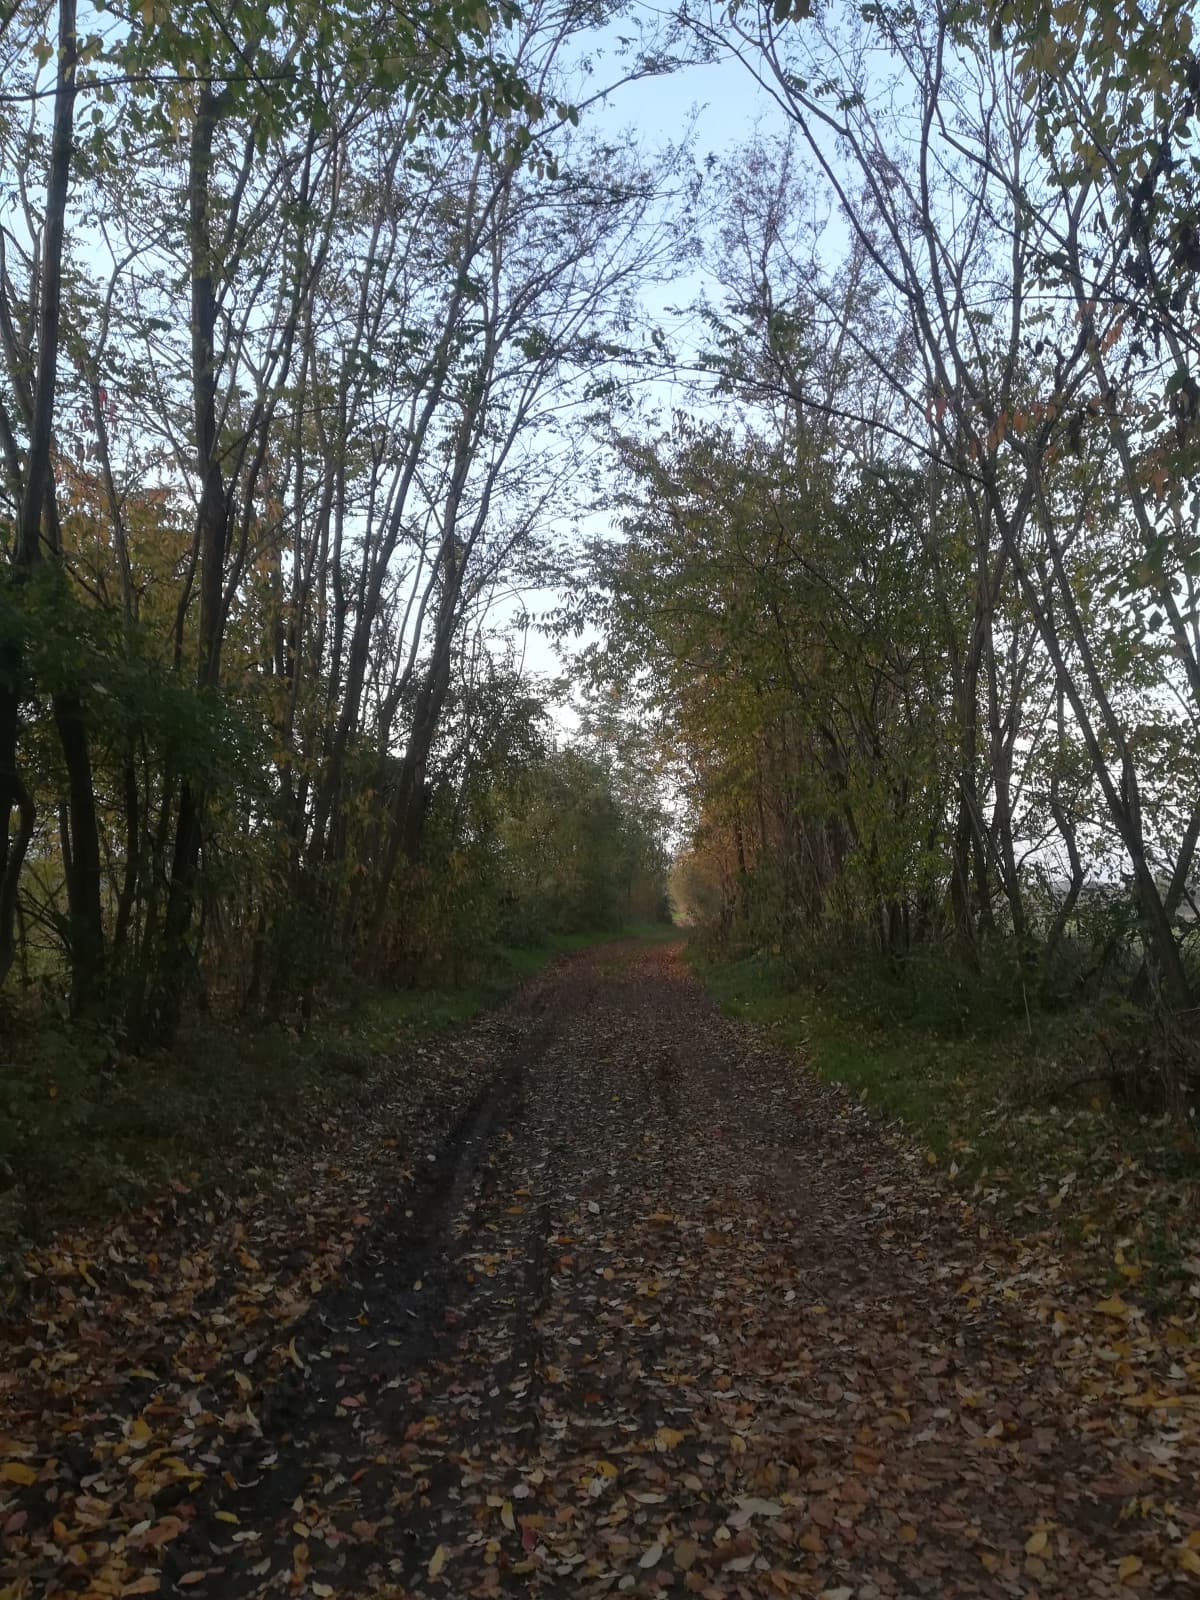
(922, 608)
(302, 313)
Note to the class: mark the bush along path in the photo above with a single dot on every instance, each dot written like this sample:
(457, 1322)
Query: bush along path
(632, 1304)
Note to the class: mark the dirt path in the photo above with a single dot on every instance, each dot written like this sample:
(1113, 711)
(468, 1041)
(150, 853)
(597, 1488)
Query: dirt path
(663, 1314)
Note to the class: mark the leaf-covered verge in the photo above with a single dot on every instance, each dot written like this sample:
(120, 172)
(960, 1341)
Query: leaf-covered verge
(1036, 1120)
(86, 1130)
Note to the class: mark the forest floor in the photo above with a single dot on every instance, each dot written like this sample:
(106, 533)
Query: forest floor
(606, 1294)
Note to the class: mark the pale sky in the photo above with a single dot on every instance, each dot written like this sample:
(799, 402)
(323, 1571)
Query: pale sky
(726, 107)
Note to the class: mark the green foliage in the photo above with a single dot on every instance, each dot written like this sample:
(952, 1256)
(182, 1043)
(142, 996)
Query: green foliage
(791, 652)
(572, 856)
(1115, 91)
(319, 276)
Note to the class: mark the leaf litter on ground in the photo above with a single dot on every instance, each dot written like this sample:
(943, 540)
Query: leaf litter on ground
(664, 1315)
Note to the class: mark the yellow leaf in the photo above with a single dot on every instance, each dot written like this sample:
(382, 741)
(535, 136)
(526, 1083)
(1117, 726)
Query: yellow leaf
(226, 1516)
(18, 1472)
(437, 1561)
(141, 1430)
(668, 1438)
(606, 1469)
(507, 1518)
(1113, 1307)
(1189, 1561)
(908, 1534)
(1036, 1542)
(1127, 1566)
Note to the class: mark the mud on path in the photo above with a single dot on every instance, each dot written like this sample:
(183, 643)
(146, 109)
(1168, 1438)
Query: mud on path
(663, 1314)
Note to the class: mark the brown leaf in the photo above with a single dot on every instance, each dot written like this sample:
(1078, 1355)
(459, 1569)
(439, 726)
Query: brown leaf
(685, 1553)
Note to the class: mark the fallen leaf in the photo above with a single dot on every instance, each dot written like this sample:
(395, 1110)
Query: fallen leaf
(684, 1554)
(1114, 1306)
(759, 1508)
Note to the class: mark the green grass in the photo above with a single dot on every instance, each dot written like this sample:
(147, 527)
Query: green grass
(935, 1084)
(1025, 1111)
(86, 1131)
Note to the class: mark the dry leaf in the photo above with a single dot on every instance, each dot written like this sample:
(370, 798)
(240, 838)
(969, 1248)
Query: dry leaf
(684, 1554)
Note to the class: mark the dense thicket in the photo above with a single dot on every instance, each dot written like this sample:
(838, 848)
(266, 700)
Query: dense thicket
(921, 605)
(302, 313)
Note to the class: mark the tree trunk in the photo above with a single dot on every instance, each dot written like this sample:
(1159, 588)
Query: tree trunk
(212, 526)
(84, 876)
(37, 525)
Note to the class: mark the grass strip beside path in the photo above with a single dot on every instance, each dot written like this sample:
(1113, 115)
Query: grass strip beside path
(1024, 1115)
